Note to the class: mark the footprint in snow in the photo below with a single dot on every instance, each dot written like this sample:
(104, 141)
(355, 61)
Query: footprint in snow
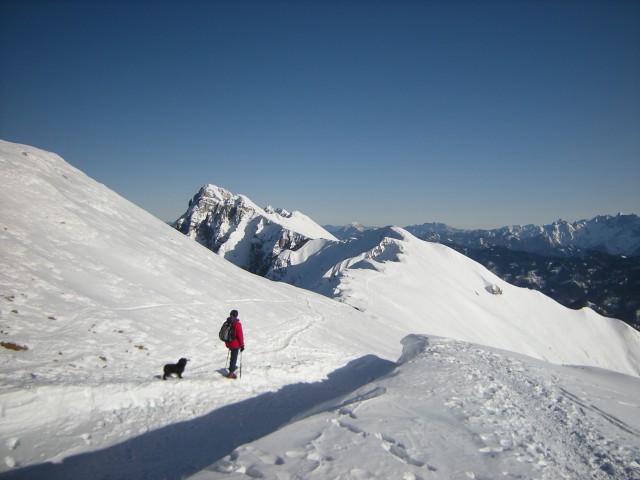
(398, 450)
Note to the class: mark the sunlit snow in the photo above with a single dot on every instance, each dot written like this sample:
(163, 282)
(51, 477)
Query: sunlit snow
(96, 295)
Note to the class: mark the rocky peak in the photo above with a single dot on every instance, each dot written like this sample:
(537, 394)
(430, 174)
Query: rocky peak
(237, 229)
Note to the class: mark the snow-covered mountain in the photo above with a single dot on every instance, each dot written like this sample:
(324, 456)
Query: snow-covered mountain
(414, 284)
(353, 230)
(615, 235)
(237, 229)
(608, 284)
(96, 295)
(591, 263)
(391, 274)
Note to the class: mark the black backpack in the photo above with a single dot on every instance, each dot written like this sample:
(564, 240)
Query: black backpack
(227, 332)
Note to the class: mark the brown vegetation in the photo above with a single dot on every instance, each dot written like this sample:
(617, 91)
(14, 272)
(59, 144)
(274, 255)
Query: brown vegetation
(13, 346)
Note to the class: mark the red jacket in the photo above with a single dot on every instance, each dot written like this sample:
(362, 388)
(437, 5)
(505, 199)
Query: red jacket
(238, 340)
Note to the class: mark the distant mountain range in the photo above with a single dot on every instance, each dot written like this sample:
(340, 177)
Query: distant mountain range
(614, 235)
(594, 263)
(353, 230)
(590, 263)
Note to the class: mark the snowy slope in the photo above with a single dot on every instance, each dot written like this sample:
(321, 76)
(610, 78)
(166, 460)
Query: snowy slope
(97, 295)
(457, 410)
(102, 294)
(429, 288)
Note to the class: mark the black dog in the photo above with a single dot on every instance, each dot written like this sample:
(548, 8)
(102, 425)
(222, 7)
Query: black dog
(175, 368)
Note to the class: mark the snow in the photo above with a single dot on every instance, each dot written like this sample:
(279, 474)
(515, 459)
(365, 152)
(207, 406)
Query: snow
(457, 410)
(294, 221)
(102, 294)
(430, 288)
(615, 235)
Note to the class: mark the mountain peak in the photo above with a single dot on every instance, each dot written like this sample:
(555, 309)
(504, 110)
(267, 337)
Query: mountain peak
(214, 192)
(245, 234)
(278, 211)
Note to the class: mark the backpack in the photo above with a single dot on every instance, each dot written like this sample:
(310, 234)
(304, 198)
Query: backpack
(227, 332)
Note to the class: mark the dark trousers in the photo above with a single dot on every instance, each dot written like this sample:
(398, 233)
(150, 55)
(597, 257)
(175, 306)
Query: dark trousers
(233, 361)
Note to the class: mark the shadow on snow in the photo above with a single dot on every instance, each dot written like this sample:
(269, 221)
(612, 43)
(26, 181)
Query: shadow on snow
(184, 448)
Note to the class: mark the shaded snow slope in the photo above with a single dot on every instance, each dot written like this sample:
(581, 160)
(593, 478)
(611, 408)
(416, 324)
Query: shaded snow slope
(429, 288)
(455, 410)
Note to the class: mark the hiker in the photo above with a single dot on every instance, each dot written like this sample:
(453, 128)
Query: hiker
(235, 345)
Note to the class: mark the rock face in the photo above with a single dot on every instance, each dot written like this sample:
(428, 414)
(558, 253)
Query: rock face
(238, 230)
(213, 215)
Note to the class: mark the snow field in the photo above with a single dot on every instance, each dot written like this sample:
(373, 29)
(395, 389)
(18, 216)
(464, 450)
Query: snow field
(82, 402)
(98, 295)
(457, 410)
(429, 288)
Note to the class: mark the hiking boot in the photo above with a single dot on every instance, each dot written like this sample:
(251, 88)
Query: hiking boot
(232, 375)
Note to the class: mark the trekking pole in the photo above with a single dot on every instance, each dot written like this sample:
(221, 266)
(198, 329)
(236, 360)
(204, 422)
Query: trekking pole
(228, 353)
(240, 363)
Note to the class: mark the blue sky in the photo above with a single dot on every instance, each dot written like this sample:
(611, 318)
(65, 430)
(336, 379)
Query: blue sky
(477, 114)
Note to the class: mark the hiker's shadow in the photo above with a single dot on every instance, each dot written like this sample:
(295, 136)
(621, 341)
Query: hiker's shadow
(184, 448)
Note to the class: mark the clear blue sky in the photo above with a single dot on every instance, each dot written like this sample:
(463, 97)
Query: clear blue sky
(472, 113)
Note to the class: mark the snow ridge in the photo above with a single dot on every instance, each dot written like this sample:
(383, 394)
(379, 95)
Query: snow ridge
(520, 420)
(427, 287)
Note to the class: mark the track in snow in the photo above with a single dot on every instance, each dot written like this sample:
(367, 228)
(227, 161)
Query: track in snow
(457, 410)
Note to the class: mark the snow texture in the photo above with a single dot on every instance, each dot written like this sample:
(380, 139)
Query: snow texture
(97, 295)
